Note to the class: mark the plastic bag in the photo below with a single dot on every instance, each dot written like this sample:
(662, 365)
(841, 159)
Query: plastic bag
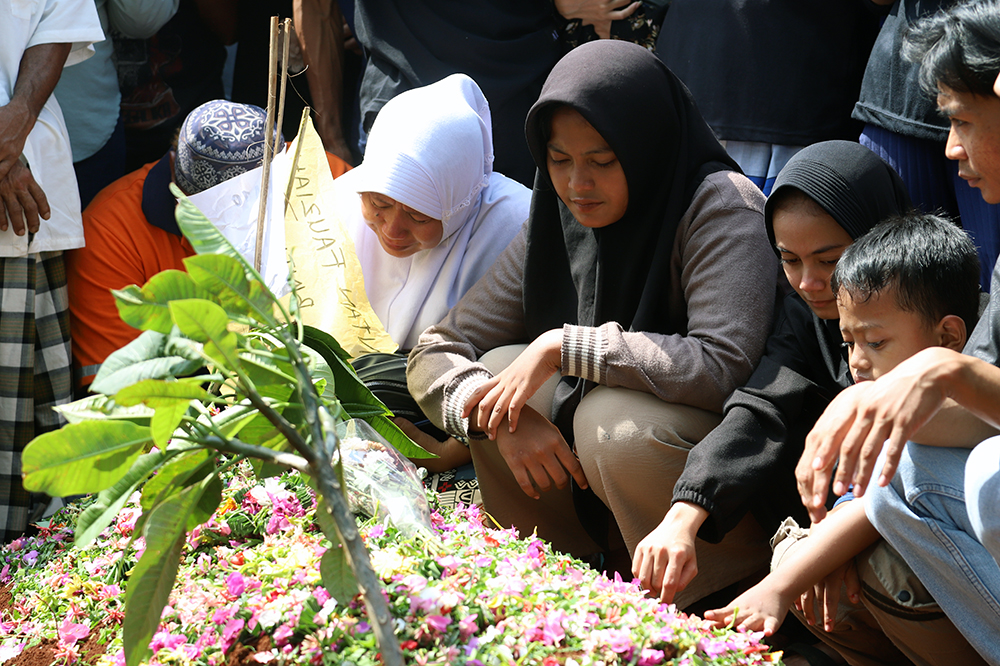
(380, 481)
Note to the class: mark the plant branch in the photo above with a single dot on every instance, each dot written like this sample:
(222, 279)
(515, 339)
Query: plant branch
(237, 447)
(283, 426)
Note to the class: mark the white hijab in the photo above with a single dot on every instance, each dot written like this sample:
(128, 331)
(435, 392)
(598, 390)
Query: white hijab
(431, 149)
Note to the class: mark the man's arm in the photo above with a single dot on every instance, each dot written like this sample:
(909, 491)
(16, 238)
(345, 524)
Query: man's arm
(891, 411)
(37, 76)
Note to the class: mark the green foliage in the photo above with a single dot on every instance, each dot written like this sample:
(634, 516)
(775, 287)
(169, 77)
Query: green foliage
(150, 356)
(153, 577)
(82, 457)
(218, 374)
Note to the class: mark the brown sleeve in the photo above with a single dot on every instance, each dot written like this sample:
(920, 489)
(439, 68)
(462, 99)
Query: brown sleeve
(722, 299)
(443, 368)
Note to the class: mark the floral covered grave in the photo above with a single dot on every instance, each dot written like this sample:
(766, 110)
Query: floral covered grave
(249, 592)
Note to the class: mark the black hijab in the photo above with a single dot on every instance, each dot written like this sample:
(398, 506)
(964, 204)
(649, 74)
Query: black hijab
(858, 190)
(620, 273)
(850, 182)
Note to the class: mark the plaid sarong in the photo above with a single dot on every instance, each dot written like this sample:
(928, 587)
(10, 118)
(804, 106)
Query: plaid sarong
(35, 369)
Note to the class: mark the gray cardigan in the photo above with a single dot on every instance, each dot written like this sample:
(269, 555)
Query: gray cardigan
(722, 296)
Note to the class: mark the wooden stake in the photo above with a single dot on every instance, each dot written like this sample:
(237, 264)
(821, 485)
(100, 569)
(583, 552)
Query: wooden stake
(268, 142)
(286, 35)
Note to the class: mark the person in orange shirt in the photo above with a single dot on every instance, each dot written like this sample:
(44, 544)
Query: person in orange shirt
(130, 230)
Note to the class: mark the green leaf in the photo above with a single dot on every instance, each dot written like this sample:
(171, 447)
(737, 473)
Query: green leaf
(324, 343)
(83, 457)
(165, 421)
(99, 407)
(200, 320)
(170, 399)
(338, 579)
(146, 308)
(325, 520)
(210, 500)
(176, 475)
(154, 392)
(153, 577)
(225, 277)
(146, 357)
(205, 238)
(264, 371)
(110, 501)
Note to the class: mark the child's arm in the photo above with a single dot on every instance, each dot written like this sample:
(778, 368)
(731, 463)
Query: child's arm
(831, 543)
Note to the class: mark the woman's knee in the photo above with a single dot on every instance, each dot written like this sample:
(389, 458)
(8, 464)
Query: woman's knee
(633, 430)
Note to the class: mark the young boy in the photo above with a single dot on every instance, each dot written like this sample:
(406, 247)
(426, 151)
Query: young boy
(910, 283)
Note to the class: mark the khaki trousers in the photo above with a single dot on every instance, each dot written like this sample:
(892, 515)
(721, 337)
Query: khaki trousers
(885, 630)
(633, 447)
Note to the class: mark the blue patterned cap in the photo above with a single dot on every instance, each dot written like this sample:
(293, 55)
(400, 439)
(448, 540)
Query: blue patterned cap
(219, 140)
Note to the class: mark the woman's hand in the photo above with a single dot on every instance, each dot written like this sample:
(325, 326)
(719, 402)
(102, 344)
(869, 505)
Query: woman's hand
(538, 455)
(450, 453)
(504, 395)
(665, 561)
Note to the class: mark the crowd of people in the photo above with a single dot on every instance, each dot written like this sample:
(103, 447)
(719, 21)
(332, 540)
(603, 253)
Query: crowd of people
(672, 277)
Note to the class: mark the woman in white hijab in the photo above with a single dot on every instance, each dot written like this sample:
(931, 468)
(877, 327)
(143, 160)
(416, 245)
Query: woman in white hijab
(432, 216)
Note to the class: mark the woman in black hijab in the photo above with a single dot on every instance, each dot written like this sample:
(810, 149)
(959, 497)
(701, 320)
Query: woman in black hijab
(827, 196)
(643, 280)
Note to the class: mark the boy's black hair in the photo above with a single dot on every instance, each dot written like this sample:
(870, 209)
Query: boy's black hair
(958, 47)
(931, 263)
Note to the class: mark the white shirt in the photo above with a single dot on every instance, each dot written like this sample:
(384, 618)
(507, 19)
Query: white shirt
(23, 24)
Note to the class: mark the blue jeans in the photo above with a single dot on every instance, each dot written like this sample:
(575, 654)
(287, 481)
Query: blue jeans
(923, 514)
(982, 494)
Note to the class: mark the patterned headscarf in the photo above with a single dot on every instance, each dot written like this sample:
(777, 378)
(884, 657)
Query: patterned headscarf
(219, 140)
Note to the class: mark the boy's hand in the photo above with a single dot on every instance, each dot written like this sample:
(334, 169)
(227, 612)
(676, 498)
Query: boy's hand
(761, 608)
(827, 593)
(665, 561)
(503, 396)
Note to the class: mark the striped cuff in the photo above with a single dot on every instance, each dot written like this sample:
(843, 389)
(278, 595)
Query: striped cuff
(455, 399)
(583, 352)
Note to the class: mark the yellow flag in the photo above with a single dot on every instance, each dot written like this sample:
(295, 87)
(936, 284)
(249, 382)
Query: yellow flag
(327, 271)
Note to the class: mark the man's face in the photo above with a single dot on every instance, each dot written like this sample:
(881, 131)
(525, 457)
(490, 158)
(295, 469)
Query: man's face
(974, 138)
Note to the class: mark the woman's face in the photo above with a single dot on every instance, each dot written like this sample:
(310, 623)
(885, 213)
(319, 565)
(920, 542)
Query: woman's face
(585, 172)
(401, 230)
(810, 243)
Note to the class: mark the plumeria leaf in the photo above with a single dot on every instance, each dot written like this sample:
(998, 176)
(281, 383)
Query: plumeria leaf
(153, 392)
(173, 477)
(146, 308)
(146, 357)
(225, 277)
(324, 518)
(110, 501)
(170, 399)
(209, 502)
(83, 457)
(166, 419)
(153, 577)
(206, 322)
(338, 579)
(99, 407)
(205, 238)
(264, 371)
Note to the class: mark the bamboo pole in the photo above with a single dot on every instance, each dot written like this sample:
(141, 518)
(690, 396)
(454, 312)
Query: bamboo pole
(268, 142)
(285, 36)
